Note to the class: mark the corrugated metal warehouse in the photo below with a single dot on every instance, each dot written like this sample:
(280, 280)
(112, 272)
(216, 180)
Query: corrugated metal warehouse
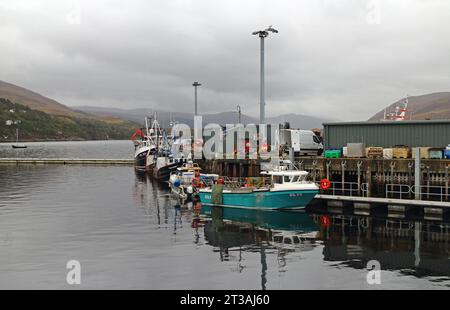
(432, 133)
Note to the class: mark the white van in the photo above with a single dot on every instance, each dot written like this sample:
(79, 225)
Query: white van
(304, 142)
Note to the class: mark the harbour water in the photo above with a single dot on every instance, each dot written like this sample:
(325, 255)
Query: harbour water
(108, 149)
(128, 232)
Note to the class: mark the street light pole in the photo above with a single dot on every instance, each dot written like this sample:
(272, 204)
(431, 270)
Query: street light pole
(262, 101)
(196, 84)
(239, 113)
(262, 35)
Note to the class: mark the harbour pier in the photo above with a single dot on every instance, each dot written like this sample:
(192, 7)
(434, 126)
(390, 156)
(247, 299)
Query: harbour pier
(365, 183)
(370, 177)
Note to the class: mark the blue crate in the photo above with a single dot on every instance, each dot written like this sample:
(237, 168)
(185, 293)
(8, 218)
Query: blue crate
(447, 154)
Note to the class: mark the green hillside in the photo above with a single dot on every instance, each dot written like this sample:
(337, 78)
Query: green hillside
(37, 125)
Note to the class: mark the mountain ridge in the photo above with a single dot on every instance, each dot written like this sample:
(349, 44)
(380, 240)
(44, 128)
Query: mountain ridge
(33, 100)
(43, 118)
(433, 106)
(228, 117)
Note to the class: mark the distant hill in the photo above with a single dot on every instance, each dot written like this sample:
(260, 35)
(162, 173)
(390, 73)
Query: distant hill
(430, 106)
(223, 118)
(46, 119)
(37, 125)
(34, 100)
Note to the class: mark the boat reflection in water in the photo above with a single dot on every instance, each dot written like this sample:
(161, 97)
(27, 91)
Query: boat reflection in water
(266, 232)
(414, 248)
(280, 227)
(288, 249)
(407, 248)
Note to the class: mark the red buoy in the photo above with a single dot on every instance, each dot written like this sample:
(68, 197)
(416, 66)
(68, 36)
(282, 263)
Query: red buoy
(195, 182)
(325, 221)
(325, 184)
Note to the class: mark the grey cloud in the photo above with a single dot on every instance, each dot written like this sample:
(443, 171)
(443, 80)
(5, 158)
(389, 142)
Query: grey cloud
(326, 60)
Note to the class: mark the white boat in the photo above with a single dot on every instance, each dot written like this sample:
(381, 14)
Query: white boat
(147, 147)
(18, 145)
(181, 181)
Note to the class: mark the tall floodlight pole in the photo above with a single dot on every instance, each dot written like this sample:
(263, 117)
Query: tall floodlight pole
(239, 113)
(196, 84)
(262, 34)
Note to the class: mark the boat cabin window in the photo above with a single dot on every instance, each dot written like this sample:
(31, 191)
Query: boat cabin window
(279, 179)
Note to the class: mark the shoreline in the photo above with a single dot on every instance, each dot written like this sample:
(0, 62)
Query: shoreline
(34, 141)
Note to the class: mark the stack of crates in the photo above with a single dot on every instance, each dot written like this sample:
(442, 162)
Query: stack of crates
(356, 150)
(332, 153)
(447, 152)
(424, 152)
(374, 152)
(401, 152)
(387, 153)
(436, 153)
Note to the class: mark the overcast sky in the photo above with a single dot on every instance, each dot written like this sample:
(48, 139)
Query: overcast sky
(343, 59)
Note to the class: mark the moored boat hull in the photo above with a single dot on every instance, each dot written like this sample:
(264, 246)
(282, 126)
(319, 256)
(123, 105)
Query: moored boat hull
(163, 173)
(291, 199)
(140, 161)
(19, 146)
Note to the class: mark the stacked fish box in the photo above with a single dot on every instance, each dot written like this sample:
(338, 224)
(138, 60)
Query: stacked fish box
(447, 152)
(388, 153)
(401, 152)
(436, 153)
(344, 151)
(374, 152)
(356, 150)
(424, 152)
(332, 153)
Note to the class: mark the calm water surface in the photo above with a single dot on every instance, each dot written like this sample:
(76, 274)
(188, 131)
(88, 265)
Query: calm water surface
(111, 149)
(128, 232)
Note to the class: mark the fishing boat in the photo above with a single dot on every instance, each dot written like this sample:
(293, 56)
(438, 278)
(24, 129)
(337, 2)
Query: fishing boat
(165, 161)
(146, 146)
(182, 181)
(283, 189)
(165, 165)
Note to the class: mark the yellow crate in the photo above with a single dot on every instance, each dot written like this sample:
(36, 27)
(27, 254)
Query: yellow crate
(401, 152)
(424, 152)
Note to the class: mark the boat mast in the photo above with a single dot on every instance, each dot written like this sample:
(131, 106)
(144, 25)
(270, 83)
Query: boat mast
(146, 126)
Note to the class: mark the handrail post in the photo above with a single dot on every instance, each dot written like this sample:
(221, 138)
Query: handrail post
(358, 165)
(446, 183)
(417, 174)
(343, 165)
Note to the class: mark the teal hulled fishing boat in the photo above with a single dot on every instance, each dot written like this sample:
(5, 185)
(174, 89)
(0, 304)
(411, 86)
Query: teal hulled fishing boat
(285, 190)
